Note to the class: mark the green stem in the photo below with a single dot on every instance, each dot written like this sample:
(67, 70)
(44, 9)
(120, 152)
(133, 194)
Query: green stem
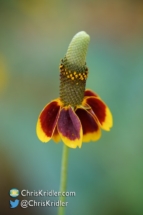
(63, 184)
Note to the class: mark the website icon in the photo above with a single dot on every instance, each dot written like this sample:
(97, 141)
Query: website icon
(14, 192)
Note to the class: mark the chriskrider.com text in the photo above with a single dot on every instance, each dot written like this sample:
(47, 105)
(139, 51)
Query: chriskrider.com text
(47, 193)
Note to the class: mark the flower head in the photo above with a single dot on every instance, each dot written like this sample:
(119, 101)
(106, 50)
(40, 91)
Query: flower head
(78, 115)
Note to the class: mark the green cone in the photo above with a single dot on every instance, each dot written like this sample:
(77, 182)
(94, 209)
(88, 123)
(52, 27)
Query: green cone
(75, 58)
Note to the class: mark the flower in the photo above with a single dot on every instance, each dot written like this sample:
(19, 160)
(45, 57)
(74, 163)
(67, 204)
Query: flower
(78, 115)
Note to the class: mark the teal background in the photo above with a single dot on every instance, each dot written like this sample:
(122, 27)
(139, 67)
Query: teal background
(107, 175)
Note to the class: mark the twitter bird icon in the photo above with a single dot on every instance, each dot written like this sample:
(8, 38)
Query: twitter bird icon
(14, 204)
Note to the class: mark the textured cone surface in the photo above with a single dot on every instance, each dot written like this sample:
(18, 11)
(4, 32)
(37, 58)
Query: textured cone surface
(76, 54)
(74, 72)
(72, 87)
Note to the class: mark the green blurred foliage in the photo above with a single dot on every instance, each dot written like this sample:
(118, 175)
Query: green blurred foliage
(106, 175)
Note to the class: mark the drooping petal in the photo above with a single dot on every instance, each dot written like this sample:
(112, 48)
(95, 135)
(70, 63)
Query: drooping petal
(69, 128)
(90, 93)
(47, 120)
(56, 136)
(91, 130)
(101, 112)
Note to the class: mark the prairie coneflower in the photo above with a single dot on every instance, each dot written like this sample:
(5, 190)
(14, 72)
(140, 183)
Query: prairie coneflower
(78, 115)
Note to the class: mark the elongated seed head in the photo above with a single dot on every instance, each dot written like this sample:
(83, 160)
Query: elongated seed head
(73, 71)
(75, 58)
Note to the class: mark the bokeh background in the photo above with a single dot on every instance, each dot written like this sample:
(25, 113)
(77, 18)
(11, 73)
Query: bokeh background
(107, 175)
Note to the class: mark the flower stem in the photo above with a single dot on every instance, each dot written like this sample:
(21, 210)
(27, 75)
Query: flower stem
(63, 184)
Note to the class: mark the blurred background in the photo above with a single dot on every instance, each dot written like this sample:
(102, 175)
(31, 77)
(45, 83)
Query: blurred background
(107, 175)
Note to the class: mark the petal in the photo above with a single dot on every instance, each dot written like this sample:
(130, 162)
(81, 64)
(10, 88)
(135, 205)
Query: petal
(47, 120)
(70, 128)
(90, 93)
(91, 130)
(101, 112)
(56, 136)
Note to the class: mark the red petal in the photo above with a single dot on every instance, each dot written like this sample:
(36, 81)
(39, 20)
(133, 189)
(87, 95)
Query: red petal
(90, 93)
(70, 128)
(101, 111)
(91, 130)
(47, 120)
